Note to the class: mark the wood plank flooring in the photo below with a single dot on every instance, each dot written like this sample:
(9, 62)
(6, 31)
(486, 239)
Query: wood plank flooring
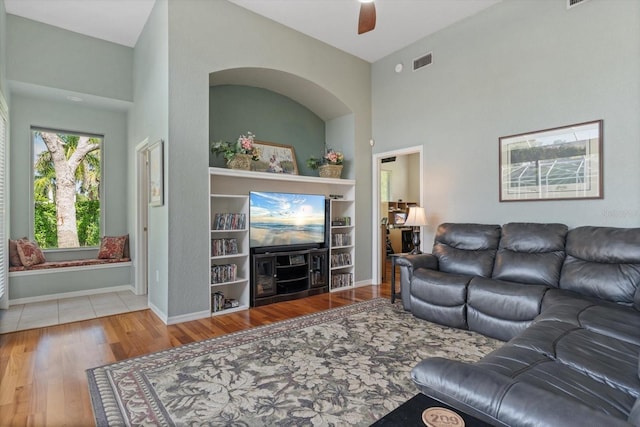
(42, 371)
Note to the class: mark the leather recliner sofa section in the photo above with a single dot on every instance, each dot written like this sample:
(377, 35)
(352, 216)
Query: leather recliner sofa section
(567, 303)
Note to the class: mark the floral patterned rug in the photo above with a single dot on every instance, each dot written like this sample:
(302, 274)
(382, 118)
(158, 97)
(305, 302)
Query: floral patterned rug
(347, 366)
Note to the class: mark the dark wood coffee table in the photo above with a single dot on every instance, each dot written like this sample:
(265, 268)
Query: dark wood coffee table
(410, 414)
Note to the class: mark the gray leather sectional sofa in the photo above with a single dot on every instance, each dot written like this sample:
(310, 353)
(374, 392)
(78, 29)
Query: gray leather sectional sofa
(565, 301)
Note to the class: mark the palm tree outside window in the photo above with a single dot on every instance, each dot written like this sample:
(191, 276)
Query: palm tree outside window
(67, 172)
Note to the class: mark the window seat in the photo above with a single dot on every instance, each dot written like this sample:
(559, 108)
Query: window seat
(66, 264)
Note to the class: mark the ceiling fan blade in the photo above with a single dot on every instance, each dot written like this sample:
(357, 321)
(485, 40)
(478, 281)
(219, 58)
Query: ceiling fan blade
(367, 19)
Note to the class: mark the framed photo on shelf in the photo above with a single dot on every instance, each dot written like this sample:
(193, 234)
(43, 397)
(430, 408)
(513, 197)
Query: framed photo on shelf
(275, 158)
(156, 174)
(553, 164)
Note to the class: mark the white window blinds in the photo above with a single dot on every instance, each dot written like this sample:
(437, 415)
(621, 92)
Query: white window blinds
(3, 197)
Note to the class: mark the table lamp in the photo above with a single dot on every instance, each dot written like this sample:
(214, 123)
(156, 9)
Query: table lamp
(416, 219)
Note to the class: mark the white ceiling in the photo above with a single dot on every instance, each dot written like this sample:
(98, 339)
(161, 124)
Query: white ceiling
(117, 21)
(399, 22)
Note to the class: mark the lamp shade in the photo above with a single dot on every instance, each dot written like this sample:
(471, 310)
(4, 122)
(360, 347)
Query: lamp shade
(416, 217)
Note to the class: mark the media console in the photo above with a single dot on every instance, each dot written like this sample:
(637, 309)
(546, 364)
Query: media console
(285, 275)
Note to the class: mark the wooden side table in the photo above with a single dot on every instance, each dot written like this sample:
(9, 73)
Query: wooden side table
(393, 276)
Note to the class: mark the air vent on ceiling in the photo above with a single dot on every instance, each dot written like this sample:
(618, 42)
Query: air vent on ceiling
(422, 61)
(573, 3)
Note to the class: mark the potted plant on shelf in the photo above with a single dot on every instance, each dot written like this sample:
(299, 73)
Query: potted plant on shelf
(238, 154)
(329, 165)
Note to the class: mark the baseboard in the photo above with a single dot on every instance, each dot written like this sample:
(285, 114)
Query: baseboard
(172, 320)
(74, 294)
(158, 312)
(188, 317)
(361, 283)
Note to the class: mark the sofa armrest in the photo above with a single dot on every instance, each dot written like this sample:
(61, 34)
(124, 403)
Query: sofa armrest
(414, 262)
(500, 400)
(407, 264)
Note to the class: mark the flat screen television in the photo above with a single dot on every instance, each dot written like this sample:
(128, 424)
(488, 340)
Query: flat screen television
(286, 219)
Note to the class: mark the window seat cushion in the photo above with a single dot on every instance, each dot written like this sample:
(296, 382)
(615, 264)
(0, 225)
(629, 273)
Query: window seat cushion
(71, 263)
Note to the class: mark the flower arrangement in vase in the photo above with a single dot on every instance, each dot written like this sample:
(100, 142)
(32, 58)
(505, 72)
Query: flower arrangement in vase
(329, 165)
(238, 154)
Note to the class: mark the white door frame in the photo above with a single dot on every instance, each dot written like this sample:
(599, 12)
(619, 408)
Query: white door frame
(142, 218)
(377, 215)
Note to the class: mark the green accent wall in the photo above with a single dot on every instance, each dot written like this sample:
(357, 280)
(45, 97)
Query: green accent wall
(235, 110)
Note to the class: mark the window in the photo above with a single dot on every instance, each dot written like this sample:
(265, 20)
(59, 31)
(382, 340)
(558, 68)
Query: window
(67, 171)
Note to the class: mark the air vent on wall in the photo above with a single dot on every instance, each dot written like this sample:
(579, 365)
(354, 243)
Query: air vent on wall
(422, 61)
(388, 159)
(573, 3)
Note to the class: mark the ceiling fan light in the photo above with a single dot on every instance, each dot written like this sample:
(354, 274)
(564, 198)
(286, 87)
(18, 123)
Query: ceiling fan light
(366, 1)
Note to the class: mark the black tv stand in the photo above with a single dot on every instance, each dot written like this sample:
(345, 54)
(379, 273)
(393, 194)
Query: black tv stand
(284, 275)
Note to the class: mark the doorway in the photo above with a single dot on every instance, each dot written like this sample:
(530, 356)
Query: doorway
(398, 177)
(142, 218)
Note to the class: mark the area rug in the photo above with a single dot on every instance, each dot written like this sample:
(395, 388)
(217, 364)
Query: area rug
(345, 366)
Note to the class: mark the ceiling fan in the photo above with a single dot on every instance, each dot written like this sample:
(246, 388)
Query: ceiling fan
(367, 19)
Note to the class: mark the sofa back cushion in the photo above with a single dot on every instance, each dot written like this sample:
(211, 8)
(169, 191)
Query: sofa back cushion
(603, 262)
(531, 253)
(466, 248)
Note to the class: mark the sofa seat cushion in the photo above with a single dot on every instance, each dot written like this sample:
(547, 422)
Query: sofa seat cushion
(502, 400)
(468, 249)
(531, 253)
(440, 297)
(609, 319)
(585, 356)
(502, 309)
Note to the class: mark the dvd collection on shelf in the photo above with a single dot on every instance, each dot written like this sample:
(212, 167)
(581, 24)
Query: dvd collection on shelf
(341, 260)
(229, 221)
(340, 239)
(341, 280)
(221, 247)
(223, 273)
(341, 221)
(219, 302)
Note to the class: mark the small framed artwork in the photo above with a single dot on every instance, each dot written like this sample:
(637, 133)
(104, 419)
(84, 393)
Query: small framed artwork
(400, 218)
(554, 164)
(156, 174)
(275, 158)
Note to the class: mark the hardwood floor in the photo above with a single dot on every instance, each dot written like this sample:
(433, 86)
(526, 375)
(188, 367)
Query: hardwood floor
(42, 371)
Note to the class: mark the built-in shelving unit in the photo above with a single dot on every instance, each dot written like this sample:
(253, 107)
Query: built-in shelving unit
(342, 256)
(229, 190)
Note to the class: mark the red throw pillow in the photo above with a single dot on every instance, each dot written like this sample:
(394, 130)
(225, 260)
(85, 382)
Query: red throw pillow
(14, 257)
(112, 247)
(30, 253)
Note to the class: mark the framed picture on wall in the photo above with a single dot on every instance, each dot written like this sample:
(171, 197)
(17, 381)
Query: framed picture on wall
(275, 158)
(553, 164)
(156, 174)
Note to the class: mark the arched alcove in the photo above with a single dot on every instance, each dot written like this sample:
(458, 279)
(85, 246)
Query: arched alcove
(336, 117)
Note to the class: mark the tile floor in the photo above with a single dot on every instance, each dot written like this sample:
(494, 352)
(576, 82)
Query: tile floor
(48, 313)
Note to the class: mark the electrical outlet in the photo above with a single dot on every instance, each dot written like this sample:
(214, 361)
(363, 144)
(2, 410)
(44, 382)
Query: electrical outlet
(157, 276)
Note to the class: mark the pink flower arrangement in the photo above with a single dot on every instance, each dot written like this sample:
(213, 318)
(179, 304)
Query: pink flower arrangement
(244, 145)
(334, 157)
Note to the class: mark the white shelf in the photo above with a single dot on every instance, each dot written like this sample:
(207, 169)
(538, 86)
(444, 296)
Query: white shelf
(280, 177)
(230, 310)
(221, 257)
(342, 208)
(233, 282)
(230, 231)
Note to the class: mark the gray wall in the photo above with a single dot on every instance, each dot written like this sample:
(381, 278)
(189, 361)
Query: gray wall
(518, 66)
(235, 110)
(204, 38)
(148, 119)
(48, 56)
